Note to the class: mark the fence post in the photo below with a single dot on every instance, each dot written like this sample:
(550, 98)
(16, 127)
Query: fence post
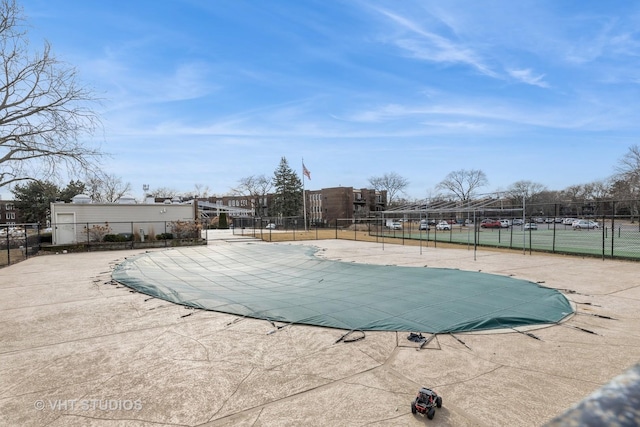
(603, 234)
(555, 214)
(613, 219)
(8, 249)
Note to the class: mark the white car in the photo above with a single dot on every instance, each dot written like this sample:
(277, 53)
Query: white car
(443, 225)
(395, 226)
(583, 223)
(271, 226)
(505, 223)
(531, 226)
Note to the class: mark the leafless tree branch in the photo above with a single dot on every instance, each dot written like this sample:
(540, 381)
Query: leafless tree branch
(44, 111)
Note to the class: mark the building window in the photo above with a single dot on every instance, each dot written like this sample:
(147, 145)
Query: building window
(9, 207)
(11, 215)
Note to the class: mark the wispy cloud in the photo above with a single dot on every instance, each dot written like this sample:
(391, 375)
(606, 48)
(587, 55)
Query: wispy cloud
(527, 76)
(429, 46)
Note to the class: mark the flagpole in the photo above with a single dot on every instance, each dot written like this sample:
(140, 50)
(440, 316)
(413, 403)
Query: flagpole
(304, 199)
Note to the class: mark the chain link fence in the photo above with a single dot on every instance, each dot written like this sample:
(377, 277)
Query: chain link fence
(20, 241)
(606, 229)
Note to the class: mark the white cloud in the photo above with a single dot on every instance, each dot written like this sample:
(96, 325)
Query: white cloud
(436, 48)
(527, 76)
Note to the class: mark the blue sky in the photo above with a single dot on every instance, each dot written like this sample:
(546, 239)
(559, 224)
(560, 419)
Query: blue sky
(211, 91)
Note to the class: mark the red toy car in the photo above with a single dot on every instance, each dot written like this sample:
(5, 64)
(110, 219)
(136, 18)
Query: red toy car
(426, 402)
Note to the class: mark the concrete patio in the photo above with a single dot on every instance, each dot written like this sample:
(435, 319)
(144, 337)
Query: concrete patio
(77, 349)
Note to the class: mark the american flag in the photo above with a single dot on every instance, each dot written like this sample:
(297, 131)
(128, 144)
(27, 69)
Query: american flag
(306, 172)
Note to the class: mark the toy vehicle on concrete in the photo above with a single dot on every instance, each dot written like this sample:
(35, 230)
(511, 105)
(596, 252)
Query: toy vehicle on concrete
(426, 402)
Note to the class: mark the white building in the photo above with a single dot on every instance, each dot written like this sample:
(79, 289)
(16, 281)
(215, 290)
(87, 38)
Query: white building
(81, 220)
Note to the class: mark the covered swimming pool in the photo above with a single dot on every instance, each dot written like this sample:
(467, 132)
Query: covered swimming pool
(289, 283)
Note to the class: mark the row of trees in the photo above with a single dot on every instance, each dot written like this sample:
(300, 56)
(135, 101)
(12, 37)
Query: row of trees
(463, 185)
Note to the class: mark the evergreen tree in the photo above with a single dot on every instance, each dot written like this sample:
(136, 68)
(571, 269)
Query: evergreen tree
(222, 221)
(33, 199)
(287, 199)
(73, 189)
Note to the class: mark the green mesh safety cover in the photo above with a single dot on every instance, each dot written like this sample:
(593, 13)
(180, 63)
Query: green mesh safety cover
(288, 283)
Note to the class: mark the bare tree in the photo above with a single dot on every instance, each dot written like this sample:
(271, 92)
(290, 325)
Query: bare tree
(628, 169)
(254, 188)
(44, 112)
(526, 190)
(105, 188)
(627, 179)
(463, 183)
(392, 183)
(201, 191)
(597, 190)
(573, 193)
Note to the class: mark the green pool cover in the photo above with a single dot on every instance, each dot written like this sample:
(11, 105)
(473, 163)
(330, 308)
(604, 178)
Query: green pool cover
(288, 283)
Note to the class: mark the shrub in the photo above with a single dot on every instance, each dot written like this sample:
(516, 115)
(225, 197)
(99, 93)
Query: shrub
(114, 238)
(97, 233)
(120, 237)
(164, 236)
(185, 229)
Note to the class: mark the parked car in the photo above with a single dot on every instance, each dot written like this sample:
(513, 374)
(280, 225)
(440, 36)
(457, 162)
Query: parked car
(505, 223)
(443, 225)
(17, 232)
(395, 226)
(569, 221)
(583, 223)
(423, 226)
(490, 223)
(531, 226)
(517, 221)
(271, 226)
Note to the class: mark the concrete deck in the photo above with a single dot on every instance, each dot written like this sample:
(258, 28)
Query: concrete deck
(79, 350)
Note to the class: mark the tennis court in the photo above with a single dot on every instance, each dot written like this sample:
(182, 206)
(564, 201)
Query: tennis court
(622, 242)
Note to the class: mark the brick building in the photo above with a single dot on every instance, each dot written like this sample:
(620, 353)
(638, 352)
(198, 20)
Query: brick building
(9, 215)
(323, 206)
(329, 204)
